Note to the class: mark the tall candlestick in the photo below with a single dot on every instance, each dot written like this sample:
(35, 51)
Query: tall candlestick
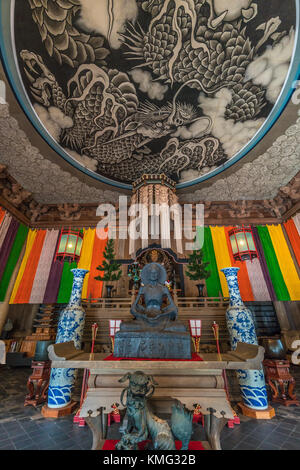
(94, 335)
(215, 328)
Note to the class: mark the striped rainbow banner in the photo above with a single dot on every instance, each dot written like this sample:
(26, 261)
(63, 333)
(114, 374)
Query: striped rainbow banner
(41, 279)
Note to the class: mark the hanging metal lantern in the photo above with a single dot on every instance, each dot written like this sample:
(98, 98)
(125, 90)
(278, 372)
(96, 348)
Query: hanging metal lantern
(242, 243)
(69, 245)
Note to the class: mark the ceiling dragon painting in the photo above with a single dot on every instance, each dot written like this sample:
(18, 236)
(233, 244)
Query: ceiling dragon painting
(128, 87)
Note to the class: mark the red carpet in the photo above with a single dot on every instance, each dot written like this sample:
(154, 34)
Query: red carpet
(193, 445)
(195, 357)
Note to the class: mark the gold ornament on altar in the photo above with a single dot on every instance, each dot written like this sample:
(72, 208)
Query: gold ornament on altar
(154, 256)
(115, 408)
(196, 343)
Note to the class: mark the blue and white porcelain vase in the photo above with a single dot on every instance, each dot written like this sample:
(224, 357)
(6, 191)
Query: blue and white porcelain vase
(70, 328)
(241, 329)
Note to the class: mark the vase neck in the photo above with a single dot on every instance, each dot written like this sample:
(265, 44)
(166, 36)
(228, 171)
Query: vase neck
(75, 298)
(79, 275)
(235, 298)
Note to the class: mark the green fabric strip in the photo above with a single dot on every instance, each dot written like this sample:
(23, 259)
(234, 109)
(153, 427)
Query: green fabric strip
(213, 285)
(13, 259)
(66, 282)
(273, 266)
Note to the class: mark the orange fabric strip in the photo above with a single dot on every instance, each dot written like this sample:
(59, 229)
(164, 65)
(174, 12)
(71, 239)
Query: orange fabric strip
(94, 289)
(294, 237)
(25, 287)
(2, 214)
(243, 278)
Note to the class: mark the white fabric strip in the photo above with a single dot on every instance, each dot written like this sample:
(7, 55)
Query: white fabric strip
(296, 220)
(257, 281)
(43, 268)
(4, 227)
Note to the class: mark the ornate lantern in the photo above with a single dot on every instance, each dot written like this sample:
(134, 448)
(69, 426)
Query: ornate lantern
(242, 243)
(195, 329)
(69, 246)
(114, 327)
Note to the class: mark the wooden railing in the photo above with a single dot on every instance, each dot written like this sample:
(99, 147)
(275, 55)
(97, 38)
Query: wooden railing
(202, 302)
(181, 302)
(111, 303)
(208, 309)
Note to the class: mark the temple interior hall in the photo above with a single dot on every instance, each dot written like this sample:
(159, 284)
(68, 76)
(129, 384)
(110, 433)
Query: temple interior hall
(149, 226)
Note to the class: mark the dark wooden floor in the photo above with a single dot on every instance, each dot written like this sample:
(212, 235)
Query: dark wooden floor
(25, 428)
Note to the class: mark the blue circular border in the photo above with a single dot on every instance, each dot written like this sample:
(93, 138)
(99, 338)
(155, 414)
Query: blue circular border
(10, 64)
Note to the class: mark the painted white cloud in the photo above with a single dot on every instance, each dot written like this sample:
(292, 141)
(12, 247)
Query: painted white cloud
(195, 130)
(188, 175)
(232, 135)
(87, 162)
(53, 119)
(271, 68)
(108, 17)
(155, 90)
(2, 92)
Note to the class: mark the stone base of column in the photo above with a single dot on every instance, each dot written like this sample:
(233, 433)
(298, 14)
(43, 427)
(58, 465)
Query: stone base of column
(59, 412)
(269, 413)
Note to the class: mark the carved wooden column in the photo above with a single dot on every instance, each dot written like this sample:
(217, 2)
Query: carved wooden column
(282, 315)
(293, 310)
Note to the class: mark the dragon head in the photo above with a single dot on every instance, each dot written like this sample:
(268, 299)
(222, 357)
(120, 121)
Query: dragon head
(39, 75)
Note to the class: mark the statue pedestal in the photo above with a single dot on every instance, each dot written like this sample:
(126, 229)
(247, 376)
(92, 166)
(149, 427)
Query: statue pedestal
(152, 345)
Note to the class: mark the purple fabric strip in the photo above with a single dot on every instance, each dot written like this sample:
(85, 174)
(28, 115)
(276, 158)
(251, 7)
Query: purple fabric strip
(263, 264)
(7, 244)
(53, 282)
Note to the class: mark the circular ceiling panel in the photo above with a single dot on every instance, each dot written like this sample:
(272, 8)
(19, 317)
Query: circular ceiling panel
(120, 88)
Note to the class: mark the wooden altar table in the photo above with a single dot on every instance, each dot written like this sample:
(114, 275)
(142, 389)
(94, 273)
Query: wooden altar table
(191, 382)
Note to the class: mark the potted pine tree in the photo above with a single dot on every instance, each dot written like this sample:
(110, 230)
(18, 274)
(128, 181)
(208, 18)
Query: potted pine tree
(197, 269)
(110, 268)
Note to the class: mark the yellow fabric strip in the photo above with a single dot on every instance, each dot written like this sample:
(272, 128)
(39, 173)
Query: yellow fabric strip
(221, 253)
(86, 256)
(29, 243)
(285, 261)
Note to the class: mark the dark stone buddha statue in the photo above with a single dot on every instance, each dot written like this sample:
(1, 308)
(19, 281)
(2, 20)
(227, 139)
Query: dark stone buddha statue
(154, 332)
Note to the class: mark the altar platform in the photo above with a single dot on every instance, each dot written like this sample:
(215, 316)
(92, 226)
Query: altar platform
(190, 382)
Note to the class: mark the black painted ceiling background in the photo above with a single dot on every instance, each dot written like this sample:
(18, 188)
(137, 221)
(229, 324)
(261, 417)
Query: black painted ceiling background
(162, 127)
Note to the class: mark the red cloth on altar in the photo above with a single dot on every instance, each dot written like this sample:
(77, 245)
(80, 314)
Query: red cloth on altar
(195, 357)
(193, 445)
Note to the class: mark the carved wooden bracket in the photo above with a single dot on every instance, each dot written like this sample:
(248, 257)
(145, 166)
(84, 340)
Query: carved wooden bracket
(36, 210)
(215, 212)
(69, 211)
